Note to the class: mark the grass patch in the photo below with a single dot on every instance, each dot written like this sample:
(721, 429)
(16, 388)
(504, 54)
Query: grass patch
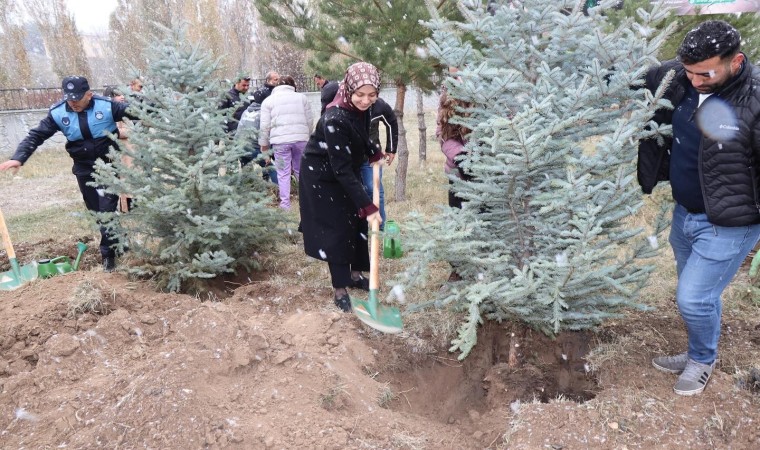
(65, 223)
(335, 397)
(44, 163)
(385, 396)
(86, 299)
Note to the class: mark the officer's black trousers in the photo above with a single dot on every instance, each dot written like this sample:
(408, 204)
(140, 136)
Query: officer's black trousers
(99, 202)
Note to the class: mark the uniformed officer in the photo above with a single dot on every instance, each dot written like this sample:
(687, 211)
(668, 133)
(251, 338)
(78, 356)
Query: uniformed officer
(86, 120)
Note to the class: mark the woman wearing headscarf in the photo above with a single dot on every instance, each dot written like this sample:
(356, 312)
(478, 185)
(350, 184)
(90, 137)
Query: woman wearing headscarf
(335, 208)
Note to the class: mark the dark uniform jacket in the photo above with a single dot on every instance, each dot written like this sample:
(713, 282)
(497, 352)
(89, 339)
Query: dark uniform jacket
(332, 198)
(327, 94)
(86, 132)
(728, 167)
(381, 111)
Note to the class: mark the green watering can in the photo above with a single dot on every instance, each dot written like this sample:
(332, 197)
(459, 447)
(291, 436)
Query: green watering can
(391, 241)
(47, 268)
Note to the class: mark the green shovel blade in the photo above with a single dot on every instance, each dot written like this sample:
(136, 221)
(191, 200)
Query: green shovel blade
(17, 275)
(382, 318)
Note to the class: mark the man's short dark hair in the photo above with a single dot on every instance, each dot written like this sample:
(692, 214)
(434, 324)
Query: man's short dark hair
(707, 40)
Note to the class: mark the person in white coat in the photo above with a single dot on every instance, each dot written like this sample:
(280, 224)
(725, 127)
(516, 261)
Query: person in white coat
(286, 123)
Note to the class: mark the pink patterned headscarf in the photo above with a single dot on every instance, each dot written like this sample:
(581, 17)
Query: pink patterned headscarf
(357, 75)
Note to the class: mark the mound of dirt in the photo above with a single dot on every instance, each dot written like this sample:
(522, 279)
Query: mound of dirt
(267, 368)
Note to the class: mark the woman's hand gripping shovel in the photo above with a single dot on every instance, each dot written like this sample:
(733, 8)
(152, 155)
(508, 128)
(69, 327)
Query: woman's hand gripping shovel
(17, 275)
(383, 318)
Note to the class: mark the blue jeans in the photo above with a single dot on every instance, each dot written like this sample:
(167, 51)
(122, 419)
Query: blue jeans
(707, 258)
(367, 182)
(270, 173)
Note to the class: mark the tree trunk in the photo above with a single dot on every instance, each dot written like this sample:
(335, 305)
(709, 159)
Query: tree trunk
(422, 128)
(402, 155)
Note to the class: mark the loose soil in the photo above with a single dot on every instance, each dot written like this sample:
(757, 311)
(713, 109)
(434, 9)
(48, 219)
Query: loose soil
(274, 368)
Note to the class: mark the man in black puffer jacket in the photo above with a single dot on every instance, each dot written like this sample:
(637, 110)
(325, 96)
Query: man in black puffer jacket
(231, 99)
(712, 162)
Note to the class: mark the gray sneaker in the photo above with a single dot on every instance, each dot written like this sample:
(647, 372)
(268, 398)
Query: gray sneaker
(671, 364)
(694, 378)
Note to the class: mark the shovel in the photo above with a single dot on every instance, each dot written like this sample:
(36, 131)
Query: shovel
(383, 318)
(17, 275)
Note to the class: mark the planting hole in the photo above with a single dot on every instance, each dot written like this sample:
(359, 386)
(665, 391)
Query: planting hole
(510, 363)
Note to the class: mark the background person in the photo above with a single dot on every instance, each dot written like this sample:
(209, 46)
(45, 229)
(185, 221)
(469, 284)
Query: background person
(271, 81)
(713, 170)
(333, 201)
(232, 100)
(136, 85)
(286, 123)
(328, 90)
(248, 130)
(86, 120)
(453, 139)
(381, 113)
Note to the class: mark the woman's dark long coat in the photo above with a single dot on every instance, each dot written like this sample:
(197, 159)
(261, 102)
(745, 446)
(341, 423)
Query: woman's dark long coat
(330, 188)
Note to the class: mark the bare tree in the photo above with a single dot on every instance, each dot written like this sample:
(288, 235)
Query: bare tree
(126, 36)
(62, 39)
(421, 126)
(239, 31)
(224, 27)
(15, 68)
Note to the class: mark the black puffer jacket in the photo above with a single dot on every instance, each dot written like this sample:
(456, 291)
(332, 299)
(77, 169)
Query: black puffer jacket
(729, 168)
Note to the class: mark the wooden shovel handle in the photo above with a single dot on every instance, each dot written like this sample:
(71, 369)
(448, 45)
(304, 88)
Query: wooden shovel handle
(374, 243)
(6, 238)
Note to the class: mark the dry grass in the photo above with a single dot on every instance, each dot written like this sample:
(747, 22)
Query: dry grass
(44, 163)
(385, 396)
(87, 299)
(335, 397)
(62, 224)
(36, 210)
(406, 441)
(610, 352)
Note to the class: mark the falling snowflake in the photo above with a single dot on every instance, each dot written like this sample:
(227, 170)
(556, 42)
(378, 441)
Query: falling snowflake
(561, 259)
(22, 414)
(322, 254)
(397, 292)
(653, 242)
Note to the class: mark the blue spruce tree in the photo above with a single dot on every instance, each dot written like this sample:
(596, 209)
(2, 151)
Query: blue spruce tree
(196, 213)
(544, 235)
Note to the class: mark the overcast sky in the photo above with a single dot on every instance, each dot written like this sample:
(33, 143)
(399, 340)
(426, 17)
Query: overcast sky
(91, 16)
